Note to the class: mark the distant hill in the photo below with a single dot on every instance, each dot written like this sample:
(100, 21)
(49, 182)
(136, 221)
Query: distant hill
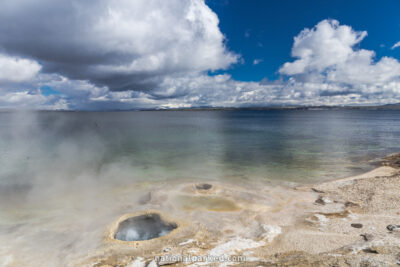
(381, 107)
(391, 106)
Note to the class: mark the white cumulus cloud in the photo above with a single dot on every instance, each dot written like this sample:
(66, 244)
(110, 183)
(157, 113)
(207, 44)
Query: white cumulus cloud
(124, 45)
(14, 69)
(329, 62)
(326, 45)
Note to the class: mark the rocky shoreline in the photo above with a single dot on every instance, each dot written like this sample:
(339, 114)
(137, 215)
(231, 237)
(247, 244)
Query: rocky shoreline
(347, 222)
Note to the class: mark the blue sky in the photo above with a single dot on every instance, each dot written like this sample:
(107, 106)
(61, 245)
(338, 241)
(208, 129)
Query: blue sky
(259, 29)
(91, 55)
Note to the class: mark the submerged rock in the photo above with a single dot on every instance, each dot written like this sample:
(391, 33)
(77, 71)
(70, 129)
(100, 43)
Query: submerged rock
(392, 161)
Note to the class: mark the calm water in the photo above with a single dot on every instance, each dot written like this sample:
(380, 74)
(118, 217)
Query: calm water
(65, 176)
(299, 146)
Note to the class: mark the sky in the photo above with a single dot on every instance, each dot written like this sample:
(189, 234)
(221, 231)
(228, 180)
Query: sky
(140, 54)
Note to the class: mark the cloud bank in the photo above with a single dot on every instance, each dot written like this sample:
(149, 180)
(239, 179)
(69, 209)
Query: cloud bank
(153, 54)
(124, 45)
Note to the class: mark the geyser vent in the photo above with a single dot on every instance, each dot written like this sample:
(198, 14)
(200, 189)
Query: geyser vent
(143, 227)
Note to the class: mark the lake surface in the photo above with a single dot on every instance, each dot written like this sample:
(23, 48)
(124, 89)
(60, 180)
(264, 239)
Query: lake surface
(298, 146)
(65, 175)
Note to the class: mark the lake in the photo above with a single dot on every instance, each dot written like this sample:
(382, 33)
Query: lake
(65, 176)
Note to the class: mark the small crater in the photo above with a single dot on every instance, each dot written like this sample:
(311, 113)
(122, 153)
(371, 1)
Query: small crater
(143, 227)
(203, 186)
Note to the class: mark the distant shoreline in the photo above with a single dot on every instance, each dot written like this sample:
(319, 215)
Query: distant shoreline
(259, 108)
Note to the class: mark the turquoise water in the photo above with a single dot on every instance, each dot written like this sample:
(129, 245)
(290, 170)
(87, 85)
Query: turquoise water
(295, 146)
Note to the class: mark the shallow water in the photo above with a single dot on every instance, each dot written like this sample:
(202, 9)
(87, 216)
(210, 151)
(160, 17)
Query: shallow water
(65, 176)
